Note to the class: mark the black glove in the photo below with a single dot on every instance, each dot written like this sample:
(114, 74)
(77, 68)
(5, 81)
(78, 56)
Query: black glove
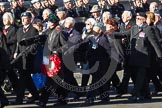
(31, 40)
(26, 42)
(33, 49)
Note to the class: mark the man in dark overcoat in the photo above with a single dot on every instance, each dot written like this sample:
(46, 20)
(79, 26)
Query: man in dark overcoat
(26, 61)
(128, 22)
(141, 39)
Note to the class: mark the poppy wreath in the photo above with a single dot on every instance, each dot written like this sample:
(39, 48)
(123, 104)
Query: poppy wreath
(54, 66)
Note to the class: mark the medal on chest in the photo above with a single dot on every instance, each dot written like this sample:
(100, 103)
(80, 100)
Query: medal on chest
(142, 34)
(95, 44)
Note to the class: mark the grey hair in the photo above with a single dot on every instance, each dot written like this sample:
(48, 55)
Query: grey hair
(9, 16)
(71, 20)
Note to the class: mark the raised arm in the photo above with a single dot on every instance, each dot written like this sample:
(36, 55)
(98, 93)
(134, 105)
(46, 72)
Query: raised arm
(119, 35)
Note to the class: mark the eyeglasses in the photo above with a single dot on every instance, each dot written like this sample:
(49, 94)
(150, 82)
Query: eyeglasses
(138, 18)
(88, 24)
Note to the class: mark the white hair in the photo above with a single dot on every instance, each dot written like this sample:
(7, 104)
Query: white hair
(92, 21)
(9, 16)
(70, 20)
(153, 4)
(47, 10)
(129, 13)
(107, 14)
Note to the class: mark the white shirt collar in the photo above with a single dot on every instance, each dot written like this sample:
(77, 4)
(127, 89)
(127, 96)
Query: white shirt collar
(26, 26)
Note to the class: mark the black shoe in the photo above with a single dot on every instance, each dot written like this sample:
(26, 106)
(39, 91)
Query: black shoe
(105, 100)
(16, 102)
(4, 103)
(136, 98)
(76, 97)
(41, 104)
(148, 98)
(88, 102)
(59, 103)
(156, 92)
(32, 100)
(119, 95)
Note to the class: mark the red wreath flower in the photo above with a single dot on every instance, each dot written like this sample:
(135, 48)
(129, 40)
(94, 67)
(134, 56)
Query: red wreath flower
(54, 66)
(4, 31)
(58, 28)
(128, 26)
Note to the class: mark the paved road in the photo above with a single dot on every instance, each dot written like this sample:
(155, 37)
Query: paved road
(156, 101)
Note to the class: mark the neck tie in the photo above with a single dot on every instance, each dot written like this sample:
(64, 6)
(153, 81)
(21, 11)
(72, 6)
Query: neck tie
(25, 30)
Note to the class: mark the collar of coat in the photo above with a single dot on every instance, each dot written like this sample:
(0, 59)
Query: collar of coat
(143, 26)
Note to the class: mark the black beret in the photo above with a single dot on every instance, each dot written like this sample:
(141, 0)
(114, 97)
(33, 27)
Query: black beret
(142, 14)
(60, 9)
(26, 14)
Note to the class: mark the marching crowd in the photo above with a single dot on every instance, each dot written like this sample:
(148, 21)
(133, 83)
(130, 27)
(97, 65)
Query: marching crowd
(53, 41)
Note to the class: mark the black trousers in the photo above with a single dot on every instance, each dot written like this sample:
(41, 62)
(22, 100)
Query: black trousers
(13, 78)
(140, 85)
(103, 91)
(26, 82)
(2, 95)
(160, 70)
(85, 79)
(127, 74)
(69, 77)
(153, 74)
(115, 79)
(51, 88)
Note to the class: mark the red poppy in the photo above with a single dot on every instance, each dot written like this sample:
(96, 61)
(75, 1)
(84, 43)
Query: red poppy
(4, 31)
(128, 26)
(58, 28)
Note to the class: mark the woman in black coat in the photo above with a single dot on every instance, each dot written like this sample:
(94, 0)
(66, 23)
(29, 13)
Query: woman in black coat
(8, 34)
(117, 53)
(9, 44)
(154, 69)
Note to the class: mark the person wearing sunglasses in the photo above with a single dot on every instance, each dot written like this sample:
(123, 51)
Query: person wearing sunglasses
(87, 33)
